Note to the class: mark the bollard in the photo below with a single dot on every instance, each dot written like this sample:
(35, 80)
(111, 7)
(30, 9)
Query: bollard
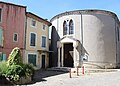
(83, 70)
(77, 71)
(70, 73)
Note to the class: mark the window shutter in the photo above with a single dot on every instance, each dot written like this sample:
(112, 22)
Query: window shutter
(4, 57)
(1, 37)
(1, 56)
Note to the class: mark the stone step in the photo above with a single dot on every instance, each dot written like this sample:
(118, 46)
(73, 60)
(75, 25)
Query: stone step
(86, 70)
(59, 69)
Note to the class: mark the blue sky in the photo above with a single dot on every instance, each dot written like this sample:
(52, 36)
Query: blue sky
(49, 8)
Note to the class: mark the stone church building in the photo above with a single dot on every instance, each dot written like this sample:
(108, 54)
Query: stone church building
(85, 37)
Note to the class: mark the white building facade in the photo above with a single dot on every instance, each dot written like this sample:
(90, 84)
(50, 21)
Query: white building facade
(85, 37)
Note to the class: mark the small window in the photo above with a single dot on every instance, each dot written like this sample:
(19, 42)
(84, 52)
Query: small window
(32, 39)
(15, 37)
(33, 23)
(43, 27)
(43, 41)
(0, 14)
(32, 59)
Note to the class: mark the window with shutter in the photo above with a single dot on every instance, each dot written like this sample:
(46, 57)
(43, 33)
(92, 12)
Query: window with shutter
(1, 37)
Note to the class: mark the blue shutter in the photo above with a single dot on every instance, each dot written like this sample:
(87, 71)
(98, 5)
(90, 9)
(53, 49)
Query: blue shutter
(1, 37)
(33, 39)
(1, 56)
(4, 57)
(43, 41)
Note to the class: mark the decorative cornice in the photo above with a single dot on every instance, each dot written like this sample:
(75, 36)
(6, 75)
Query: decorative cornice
(79, 12)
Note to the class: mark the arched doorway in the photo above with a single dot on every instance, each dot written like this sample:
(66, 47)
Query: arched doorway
(68, 55)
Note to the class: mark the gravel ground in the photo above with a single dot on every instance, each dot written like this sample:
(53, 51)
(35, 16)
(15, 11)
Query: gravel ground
(52, 78)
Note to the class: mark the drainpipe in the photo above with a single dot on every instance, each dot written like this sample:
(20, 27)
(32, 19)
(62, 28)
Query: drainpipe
(25, 33)
(81, 54)
(116, 34)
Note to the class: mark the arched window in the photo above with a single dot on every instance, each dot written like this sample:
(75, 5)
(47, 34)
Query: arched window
(64, 28)
(71, 27)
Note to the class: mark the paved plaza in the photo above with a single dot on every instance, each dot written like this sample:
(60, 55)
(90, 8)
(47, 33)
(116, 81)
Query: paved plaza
(53, 78)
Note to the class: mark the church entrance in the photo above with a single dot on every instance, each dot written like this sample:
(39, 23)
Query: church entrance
(68, 55)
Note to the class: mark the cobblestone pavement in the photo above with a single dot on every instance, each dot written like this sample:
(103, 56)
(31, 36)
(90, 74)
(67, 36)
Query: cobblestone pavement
(52, 78)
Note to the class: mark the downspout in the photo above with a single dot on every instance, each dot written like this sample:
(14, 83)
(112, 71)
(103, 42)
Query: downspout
(57, 41)
(116, 41)
(25, 32)
(81, 48)
(81, 57)
(25, 37)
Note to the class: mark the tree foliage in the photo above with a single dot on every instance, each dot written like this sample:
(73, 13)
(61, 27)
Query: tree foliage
(14, 69)
(14, 57)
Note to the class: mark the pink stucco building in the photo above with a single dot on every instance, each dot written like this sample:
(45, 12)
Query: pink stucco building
(12, 28)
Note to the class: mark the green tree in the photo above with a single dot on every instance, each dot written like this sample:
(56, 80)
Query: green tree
(14, 57)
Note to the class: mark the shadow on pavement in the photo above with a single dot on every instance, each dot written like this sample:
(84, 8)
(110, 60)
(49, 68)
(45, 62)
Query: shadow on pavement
(41, 74)
(38, 77)
(5, 82)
